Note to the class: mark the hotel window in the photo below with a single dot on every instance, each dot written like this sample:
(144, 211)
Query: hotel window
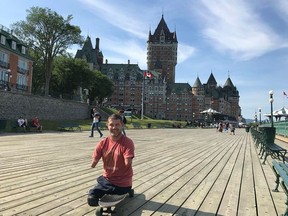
(3, 40)
(22, 64)
(22, 80)
(13, 45)
(3, 57)
(23, 50)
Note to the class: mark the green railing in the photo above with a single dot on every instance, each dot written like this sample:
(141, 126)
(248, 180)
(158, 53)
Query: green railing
(281, 127)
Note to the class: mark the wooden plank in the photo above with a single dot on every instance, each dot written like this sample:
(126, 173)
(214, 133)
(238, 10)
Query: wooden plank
(181, 171)
(214, 197)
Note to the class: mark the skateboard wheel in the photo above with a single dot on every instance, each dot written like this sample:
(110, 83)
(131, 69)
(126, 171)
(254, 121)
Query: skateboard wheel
(99, 211)
(131, 193)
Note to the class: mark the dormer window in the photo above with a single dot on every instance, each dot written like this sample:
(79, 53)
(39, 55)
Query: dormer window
(3, 40)
(23, 50)
(13, 45)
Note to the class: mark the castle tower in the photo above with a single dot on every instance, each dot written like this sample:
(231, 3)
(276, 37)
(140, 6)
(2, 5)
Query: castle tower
(162, 51)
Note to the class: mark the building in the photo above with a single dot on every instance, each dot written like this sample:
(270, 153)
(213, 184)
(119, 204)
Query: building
(127, 85)
(93, 56)
(162, 51)
(15, 64)
(184, 102)
(127, 78)
(154, 101)
(158, 94)
(224, 99)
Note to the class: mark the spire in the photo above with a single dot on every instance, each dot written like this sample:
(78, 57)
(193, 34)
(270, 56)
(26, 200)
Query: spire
(87, 44)
(228, 82)
(197, 83)
(212, 81)
(162, 30)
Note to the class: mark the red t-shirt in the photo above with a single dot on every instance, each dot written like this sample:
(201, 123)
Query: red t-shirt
(113, 155)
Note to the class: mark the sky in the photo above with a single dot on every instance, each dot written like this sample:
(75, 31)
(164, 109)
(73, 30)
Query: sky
(241, 39)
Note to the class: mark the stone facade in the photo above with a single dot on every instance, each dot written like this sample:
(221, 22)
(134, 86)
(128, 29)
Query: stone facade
(13, 105)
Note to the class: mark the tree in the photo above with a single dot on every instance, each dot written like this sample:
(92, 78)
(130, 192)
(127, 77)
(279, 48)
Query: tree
(69, 74)
(49, 34)
(102, 87)
(38, 68)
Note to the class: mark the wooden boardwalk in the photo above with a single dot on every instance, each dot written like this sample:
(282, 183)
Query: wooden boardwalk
(176, 172)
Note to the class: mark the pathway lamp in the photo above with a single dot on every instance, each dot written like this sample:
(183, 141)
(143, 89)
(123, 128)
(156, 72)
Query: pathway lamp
(271, 100)
(9, 76)
(259, 111)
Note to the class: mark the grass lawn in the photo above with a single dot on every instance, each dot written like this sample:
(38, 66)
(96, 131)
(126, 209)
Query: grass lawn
(86, 124)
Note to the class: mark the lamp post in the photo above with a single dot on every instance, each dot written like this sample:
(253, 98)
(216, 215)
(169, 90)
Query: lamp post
(271, 102)
(255, 118)
(259, 110)
(9, 76)
(193, 117)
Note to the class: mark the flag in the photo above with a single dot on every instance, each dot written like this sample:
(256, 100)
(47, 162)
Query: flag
(148, 75)
(284, 93)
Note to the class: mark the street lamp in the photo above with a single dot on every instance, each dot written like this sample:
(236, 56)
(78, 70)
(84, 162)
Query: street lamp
(271, 102)
(255, 118)
(259, 110)
(9, 76)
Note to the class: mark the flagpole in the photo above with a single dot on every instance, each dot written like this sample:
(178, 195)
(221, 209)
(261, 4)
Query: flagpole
(142, 99)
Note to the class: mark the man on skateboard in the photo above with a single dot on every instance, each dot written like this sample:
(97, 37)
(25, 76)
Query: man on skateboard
(117, 152)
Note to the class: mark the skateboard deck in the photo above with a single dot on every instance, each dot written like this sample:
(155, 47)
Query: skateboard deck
(111, 200)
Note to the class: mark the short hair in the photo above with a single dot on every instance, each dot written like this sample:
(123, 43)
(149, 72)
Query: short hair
(115, 117)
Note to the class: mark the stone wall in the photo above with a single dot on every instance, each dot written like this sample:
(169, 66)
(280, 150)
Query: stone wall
(13, 105)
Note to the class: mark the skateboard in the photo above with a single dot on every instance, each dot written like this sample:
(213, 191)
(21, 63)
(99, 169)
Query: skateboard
(108, 201)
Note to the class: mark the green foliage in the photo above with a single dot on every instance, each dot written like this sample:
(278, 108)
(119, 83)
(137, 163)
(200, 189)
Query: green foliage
(38, 80)
(49, 34)
(102, 87)
(69, 74)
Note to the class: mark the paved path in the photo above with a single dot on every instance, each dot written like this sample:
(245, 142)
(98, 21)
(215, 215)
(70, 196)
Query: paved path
(176, 172)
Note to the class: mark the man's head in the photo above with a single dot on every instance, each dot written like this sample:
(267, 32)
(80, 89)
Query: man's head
(115, 125)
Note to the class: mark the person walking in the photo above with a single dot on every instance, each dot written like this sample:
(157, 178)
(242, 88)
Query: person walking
(232, 129)
(122, 114)
(116, 152)
(95, 124)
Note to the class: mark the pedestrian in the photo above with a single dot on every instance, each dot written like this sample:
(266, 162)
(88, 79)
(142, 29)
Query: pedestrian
(122, 114)
(232, 129)
(95, 124)
(116, 152)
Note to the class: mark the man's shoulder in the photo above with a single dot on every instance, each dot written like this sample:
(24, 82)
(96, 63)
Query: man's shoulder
(128, 142)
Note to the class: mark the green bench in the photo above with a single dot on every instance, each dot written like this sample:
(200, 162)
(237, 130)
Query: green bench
(281, 171)
(136, 125)
(70, 126)
(265, 139)
(15, 127)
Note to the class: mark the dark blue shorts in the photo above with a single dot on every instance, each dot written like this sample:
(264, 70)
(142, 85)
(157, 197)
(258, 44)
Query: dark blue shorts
(103, 187)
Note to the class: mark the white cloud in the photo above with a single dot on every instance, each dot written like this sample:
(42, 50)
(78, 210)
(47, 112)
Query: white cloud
(184, 52)
(120, 16)
(282, 8)
(236, 28)
(124, 51)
